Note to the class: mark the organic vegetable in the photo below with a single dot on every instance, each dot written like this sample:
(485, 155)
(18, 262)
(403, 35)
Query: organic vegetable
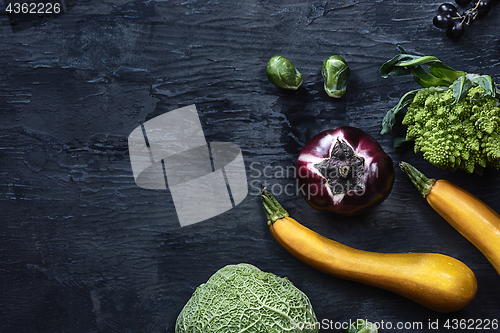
(281, 72)
(463, 136)
(361, 326)
(335, 73)
(454, 120)
(475, 220)
(436, 281)
(242, 298)
(344, 171)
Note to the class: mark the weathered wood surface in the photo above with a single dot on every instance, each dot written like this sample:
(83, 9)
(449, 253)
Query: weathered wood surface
(83, 249)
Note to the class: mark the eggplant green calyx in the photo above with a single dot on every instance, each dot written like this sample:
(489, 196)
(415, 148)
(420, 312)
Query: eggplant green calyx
(282, 73)
(336, 74)
(421, 182)
(274, 210)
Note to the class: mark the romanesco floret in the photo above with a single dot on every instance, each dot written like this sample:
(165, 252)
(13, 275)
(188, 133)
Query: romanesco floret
(465, 135)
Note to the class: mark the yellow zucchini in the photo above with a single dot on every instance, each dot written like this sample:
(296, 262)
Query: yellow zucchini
(436, 281)
(475, 220)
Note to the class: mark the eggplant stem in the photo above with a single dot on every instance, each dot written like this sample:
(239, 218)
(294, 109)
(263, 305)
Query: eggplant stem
(421, 182)
(274, 210)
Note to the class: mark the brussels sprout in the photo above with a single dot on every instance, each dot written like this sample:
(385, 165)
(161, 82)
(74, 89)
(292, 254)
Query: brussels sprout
(281, 72)
(336, 73)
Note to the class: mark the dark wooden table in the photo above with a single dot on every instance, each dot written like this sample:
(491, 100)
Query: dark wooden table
(84, 249)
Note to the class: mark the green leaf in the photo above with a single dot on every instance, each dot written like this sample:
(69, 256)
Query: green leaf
(427, 80)
(404, 64)
(417, 61)
(390, 118)
(486, 82)
(397, 71)
(404, 60)
(391, 68)
(445, 72)
(460, 88)
(400, 144)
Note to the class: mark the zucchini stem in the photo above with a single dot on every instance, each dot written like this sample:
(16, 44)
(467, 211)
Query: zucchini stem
(421, 182)
(274, 211)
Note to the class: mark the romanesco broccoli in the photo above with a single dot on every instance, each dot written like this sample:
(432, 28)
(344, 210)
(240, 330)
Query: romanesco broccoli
(465, 135)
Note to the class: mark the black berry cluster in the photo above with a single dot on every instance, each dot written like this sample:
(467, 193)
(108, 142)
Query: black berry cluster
(449, 18)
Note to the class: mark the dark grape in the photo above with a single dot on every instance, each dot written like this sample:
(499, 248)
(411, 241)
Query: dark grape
(442, 21)
(447, 8)
(448, 17)
(483, 7)
(456, 31)
(462, 3)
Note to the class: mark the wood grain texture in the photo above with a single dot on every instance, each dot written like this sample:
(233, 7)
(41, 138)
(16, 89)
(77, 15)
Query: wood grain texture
(83, 249)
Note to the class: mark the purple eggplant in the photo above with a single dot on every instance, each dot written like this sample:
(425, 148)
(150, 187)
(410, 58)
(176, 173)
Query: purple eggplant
(344, 171)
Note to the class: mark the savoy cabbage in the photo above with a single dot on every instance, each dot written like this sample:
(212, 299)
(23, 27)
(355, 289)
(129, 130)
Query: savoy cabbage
(241, 298)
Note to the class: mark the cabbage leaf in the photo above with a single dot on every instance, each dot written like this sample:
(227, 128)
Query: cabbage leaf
(242, 298)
